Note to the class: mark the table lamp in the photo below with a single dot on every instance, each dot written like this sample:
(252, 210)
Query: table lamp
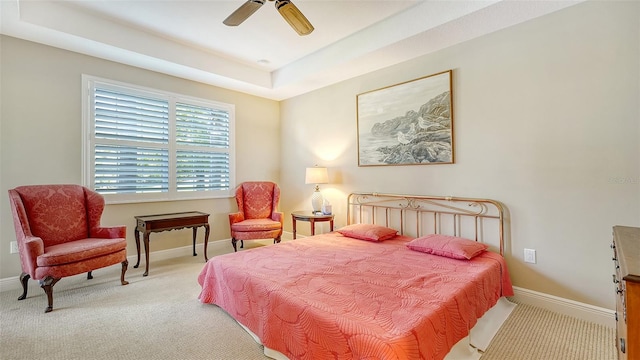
(316, 175)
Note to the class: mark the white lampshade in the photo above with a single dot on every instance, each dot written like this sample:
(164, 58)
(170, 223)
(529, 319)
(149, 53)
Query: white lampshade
(316, 175)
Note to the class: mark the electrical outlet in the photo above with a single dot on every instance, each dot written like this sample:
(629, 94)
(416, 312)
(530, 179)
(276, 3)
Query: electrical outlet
(14, 247)
(530, 256)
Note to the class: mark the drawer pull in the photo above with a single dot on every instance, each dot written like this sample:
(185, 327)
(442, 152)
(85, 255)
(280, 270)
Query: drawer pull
(615, 281)
(622, 345)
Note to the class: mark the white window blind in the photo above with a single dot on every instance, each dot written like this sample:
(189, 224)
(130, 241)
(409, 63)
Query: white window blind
(202, 137)
(148, 145)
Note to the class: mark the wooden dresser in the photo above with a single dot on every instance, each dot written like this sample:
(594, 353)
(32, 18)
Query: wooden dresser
(626, 256)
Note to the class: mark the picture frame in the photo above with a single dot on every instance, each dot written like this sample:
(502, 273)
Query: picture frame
(410, 123)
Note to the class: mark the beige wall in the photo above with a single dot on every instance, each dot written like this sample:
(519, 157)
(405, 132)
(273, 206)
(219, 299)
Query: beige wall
(41, 127)
(547, 121)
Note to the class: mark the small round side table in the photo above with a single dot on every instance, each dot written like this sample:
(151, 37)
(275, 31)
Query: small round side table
(309, 216)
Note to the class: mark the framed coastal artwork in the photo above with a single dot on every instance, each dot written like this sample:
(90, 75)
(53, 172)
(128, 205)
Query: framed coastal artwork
(410, 123)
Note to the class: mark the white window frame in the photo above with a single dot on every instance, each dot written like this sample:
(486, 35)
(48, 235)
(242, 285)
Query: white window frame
(89, 141)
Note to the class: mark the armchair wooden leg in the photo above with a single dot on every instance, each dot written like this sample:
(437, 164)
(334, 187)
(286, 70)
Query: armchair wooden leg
(125, 265)
(24, 278)
(241, 244)
(276, 240)
(233, 242)
(89, 276)
(47, 286)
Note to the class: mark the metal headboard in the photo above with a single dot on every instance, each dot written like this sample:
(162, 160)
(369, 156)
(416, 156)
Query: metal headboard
(415, 215)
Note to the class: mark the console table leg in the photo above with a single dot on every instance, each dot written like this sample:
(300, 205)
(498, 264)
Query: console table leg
(206, 241)
(146, 254)
(137, 235)
(195, 233)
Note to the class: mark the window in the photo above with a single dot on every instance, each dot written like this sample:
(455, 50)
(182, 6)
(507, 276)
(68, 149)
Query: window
(147, 145)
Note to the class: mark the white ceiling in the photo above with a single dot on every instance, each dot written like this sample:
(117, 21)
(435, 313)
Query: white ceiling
(186, 38)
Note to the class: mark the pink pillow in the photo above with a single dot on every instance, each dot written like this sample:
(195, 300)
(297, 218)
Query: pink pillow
(369, 232)
(448, 246)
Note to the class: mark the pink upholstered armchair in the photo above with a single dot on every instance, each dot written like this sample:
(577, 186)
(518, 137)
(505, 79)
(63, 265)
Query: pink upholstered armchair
(257, 216)
(59, 234)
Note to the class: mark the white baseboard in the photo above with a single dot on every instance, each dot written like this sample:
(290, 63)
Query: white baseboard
(595, 314)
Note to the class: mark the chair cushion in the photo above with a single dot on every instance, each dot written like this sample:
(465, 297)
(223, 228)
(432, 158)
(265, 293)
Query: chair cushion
(80, 250)
(256, 225)
(57, 213)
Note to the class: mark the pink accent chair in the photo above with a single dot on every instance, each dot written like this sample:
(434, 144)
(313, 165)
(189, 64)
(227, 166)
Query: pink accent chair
(59, 234)
(257, 216)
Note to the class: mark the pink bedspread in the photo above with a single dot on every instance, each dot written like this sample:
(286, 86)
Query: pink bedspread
(333, 297)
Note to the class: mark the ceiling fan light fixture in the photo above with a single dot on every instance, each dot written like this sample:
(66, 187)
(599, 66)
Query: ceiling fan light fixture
(289, 12)
(294, 17)
(243, 12)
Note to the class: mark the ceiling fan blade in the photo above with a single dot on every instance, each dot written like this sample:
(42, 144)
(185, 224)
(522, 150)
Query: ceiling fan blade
(294, 17)
(243, 12)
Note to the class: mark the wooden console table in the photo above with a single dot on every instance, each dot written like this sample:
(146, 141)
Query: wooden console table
(147, 224)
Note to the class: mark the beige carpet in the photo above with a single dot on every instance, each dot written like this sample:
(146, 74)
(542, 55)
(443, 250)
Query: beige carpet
(159, 317)
(532, 333)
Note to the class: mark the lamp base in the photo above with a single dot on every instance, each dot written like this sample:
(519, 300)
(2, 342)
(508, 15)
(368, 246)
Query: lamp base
(316, 202)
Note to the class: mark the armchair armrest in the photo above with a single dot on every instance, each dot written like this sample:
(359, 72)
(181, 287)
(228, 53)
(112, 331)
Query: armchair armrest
(235, 217)
(278, 216)
(111, 232)
(32, 248)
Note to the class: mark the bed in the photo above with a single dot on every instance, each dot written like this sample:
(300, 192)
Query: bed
(408, 277)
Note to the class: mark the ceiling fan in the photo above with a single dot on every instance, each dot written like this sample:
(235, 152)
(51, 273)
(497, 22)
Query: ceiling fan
(289, 12)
